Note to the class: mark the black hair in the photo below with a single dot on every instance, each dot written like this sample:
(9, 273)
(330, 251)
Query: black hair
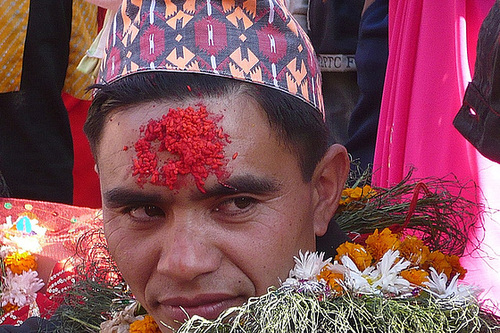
(298, 125)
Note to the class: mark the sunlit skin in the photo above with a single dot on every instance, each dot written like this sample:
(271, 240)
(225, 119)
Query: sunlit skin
(209, 251)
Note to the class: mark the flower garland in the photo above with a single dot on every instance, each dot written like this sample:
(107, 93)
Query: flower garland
(387, 285)
(386, 267)
(20, 242)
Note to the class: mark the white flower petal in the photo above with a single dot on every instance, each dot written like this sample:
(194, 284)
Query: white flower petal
(20, 289)
(308, 265)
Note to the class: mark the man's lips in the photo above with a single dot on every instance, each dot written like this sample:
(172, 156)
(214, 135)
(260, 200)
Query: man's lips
(208, 306)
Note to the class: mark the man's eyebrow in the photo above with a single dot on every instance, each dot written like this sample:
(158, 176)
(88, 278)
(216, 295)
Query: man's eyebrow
(118, 197)
(240, 184)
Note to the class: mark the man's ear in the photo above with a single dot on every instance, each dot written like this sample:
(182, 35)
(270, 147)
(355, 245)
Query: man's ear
(328, 180)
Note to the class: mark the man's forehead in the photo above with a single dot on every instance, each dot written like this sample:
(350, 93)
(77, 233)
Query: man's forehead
(159, 144)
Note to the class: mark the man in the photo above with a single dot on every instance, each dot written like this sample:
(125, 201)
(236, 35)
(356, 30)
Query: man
(208, 134)
(211, 183)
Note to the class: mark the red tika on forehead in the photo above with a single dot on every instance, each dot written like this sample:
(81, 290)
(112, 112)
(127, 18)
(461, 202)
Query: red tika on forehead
(194, 139)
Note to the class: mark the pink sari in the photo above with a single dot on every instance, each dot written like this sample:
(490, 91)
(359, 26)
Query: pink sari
(432, 50)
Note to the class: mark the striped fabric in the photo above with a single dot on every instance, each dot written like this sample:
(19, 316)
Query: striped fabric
(83, 31)
(13, 27)
(252, 40)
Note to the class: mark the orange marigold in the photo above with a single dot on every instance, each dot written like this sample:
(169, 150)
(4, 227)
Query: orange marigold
(415, 276)
(356, 194)
(357, 253)
(368, 192)
(20, 262)
(9, 307)
(456, 267)
(439, 261)
(146, 325)
(414, 250)
(332, 279)
(379, 243)
(345, 197)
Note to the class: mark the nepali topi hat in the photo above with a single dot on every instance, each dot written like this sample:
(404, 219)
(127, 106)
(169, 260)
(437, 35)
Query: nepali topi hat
(257, 41)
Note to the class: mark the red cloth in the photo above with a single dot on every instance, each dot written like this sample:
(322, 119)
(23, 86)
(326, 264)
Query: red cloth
(86, 189)
(46, 307)
(65, 224)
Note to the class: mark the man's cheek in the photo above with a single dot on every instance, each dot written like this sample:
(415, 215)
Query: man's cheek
(122, 243)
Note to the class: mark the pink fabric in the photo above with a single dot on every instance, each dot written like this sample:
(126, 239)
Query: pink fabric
(432, 46)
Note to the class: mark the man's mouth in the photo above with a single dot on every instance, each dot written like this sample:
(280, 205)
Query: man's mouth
(208, 306)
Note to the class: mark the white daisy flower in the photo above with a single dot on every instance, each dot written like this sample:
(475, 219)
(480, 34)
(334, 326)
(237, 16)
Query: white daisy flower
(308, 265)
(354, 279)
(20, 289)
(439, 286)
(386, 277)
(291, 283)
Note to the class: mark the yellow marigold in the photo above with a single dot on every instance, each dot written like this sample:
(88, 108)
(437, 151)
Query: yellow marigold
(146, 325)
(357, 253)
(415, 276)
(20, 262)
(414, 250)
(345, 197)
(456, 267)
(9, 307)
(439, 261)
(332, 278)
(368, 192)
(379, 243)
(356, 194)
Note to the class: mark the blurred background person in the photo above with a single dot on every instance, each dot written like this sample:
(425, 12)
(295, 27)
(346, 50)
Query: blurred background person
(43, 98)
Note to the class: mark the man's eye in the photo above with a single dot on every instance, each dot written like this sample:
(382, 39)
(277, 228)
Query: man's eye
(146, 212)
(236, 206)
(243, 202)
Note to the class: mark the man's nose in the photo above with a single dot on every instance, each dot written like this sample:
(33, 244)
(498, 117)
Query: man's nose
(188, 249)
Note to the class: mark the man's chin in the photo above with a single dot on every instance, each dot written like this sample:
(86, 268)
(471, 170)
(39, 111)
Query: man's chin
(176, 315)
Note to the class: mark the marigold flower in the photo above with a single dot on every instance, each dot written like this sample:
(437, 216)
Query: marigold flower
(456, 267)
(439, 261)
(415, 276)
(357, 253)
(379, 243)
(332, 279)
(414, 250)
(20, 262)
(146, 325)
(368, 192)
(356, 194)
(345, 197)
(9, 307)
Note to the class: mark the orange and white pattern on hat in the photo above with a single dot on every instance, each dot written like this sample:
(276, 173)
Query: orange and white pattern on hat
(252, 40)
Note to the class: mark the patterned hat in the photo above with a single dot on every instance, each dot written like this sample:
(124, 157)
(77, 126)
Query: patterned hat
(251, 40)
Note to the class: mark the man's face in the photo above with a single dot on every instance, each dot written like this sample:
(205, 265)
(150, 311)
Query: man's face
(185, 250)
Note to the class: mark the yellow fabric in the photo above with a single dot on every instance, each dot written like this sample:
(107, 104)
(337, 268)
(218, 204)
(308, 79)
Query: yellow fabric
(13, 27)
(83, 32)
